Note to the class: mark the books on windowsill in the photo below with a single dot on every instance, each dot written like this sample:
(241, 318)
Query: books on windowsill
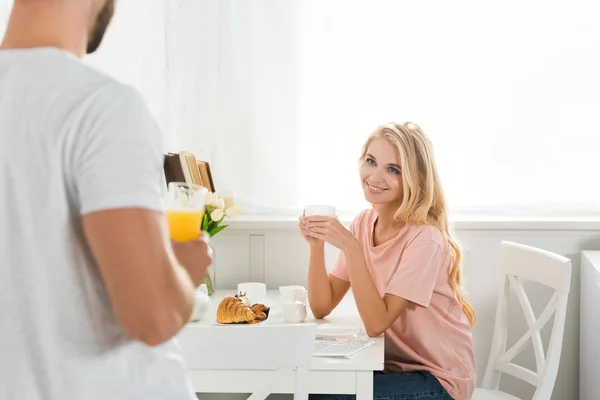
(184, 167)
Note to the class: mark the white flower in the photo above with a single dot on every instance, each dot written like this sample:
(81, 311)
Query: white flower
(232, 211)
(221, 204)
(212, 200)
(215, 201)
(209, 198)
(217, 214)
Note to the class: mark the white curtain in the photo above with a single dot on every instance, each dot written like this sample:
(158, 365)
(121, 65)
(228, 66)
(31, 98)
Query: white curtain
(279, 96)
(509, 94)
(241, 83)
(134, 51)
(508, 91)
(220, 76)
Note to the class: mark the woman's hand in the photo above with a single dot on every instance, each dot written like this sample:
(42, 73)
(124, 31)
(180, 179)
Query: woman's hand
(330, 230)
(304, 232)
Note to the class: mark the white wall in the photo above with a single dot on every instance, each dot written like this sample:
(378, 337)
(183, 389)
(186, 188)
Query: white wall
(590, 326)
(280, 256)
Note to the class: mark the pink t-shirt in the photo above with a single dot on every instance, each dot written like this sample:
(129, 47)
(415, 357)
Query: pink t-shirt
(433, 333)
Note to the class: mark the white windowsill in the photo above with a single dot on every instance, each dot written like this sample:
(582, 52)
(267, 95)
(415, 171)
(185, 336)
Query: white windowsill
(260, 222)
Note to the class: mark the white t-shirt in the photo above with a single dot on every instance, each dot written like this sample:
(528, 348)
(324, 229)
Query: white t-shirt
(72, 141)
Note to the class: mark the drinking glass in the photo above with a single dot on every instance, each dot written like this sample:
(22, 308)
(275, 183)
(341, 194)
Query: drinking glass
(184, 209)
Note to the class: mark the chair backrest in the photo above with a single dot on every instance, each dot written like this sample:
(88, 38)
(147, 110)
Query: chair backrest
(519, 262)
(264, 347)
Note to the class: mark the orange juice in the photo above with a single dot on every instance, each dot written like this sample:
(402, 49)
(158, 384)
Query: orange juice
(184, 225)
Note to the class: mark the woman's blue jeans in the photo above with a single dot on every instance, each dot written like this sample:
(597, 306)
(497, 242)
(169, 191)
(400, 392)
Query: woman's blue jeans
(418, 385)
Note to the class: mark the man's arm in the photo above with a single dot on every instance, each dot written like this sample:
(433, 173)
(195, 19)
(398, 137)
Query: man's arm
(151, 294)
(116, 164)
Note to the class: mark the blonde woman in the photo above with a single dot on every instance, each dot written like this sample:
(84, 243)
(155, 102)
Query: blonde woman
(404, 269)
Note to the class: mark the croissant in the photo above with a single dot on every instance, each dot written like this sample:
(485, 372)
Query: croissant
(261, 311)
(234, 310)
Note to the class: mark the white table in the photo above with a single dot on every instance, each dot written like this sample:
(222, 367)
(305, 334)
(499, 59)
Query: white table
(328, 374)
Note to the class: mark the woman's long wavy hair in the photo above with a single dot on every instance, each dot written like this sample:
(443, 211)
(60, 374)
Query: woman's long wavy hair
(423, 200)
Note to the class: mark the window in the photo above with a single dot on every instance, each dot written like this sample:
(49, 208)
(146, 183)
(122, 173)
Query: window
(279, 96)
(508, 92)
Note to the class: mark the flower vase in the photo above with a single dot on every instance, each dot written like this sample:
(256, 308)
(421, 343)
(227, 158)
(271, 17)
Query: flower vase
(210, 276)
(201, 303)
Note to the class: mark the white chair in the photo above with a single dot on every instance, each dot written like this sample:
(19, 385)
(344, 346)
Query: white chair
(519, 262)
(278, 353)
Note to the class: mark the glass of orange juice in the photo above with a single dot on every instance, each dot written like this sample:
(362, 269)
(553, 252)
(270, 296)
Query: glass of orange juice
(184, 209)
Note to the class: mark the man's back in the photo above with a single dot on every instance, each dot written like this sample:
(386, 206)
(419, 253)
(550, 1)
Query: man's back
(60, 122)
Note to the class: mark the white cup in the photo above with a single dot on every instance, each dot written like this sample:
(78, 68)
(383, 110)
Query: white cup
(320, 210)
(292, 293)
(255, 291)
(293, 311)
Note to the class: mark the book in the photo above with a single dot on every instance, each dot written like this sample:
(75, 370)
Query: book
(173, 169)
(185, 167)
(210, 177)
(182, 167)
(192, 166)
(204, 168)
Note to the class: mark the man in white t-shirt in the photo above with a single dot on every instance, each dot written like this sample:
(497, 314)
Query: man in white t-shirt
(92, 290)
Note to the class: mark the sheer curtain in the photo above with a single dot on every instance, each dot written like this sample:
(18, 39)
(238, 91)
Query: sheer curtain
(279, 96)
(221, 77)
(134, 51)
(509, 94)
(244, 97)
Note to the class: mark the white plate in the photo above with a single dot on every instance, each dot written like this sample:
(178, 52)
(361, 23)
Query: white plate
(239, 324)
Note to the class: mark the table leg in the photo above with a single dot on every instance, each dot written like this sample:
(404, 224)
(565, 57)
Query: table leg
(364, 385)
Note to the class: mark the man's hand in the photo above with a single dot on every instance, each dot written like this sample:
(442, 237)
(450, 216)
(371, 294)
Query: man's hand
(195, 256)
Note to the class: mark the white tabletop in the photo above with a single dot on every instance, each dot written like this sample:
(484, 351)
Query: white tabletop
(345, 314)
